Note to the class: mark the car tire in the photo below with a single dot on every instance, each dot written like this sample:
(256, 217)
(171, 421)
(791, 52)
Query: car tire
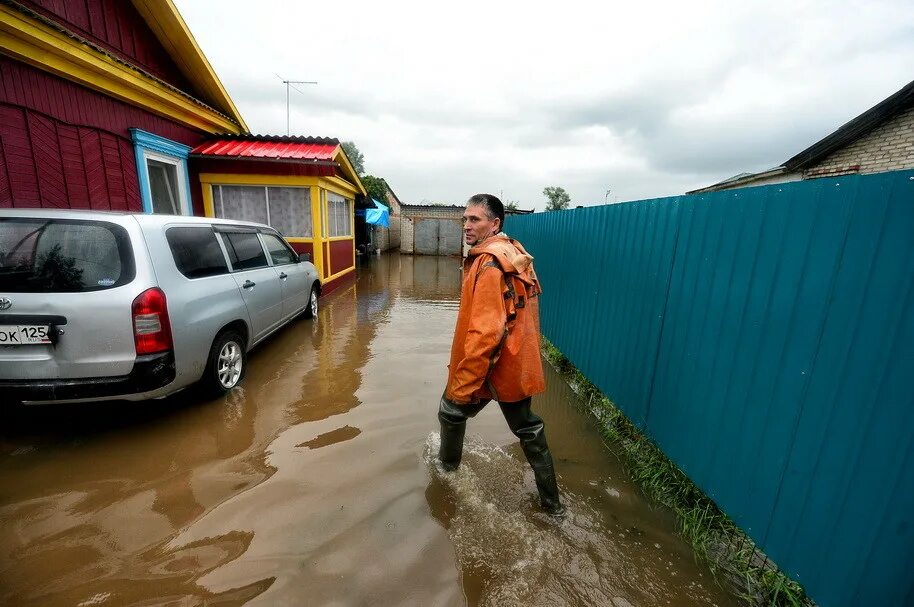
(311, 308)
(226, 365)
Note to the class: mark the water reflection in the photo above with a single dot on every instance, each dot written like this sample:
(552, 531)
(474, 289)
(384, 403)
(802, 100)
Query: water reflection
(314, 484)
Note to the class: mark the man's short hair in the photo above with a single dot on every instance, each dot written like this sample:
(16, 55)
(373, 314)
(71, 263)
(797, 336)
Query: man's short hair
(493, 206)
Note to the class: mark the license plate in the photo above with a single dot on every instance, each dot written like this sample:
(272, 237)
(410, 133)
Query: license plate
(23, 335)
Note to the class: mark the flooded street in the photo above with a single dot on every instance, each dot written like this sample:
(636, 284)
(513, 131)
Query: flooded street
(315, 484)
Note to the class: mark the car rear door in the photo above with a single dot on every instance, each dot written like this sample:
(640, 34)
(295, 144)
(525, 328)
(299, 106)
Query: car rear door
(259, 283)
(67, 285)
(294, 277)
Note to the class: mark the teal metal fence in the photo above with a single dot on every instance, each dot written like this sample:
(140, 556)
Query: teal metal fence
(764, 339)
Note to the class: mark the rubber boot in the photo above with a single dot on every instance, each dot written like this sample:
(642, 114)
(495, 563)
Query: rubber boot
(531, 431)
(453, 420)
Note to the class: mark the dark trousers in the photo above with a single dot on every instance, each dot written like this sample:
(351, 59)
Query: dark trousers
(525, 425)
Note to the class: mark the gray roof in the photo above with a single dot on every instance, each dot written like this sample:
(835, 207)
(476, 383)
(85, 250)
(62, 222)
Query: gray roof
(883, 111)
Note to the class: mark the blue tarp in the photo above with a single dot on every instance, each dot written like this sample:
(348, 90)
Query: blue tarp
(378, 216)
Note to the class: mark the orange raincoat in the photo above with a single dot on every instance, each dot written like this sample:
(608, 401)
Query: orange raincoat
(496, 349)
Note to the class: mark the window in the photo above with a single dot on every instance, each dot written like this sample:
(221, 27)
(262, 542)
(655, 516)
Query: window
(163, 186)
(280, 252)
(196, 251)
(339, 218)
(244, 250)
(71, 256)
(161, 166)
(247, 203)
(288, 209)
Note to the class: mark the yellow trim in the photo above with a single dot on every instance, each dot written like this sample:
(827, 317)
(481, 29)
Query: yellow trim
(41, 46)
(300, 240)
(317, 229)
(339, 274)
(209, 208)
(245, 179)
(339, 238)
(325, 214)
(352, 226)
(330, 184)
(339, 186)
(165, 21)
(340, 157)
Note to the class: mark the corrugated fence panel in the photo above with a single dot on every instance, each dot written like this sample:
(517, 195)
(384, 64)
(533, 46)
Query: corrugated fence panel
(744, 317)
(605, 272)
(847, 499)
(764, 338)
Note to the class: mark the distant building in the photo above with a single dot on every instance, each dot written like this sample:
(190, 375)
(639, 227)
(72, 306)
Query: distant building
(437, 229)
(878, 140)
(431, 229)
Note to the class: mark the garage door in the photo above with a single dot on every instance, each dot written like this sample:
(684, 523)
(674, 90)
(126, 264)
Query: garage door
(438, 237)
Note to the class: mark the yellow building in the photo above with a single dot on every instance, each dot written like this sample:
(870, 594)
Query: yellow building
(305, 187)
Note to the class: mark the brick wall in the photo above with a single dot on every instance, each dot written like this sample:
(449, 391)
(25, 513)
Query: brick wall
(381, 238)
(63, 145)
(433, 212)
(407, 231)
(395, 233)
(888, 148)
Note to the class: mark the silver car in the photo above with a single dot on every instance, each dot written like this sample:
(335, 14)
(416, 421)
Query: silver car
(102, 306)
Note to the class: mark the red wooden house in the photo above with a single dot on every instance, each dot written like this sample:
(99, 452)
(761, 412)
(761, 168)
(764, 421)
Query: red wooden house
(111, 105)
(101, 102)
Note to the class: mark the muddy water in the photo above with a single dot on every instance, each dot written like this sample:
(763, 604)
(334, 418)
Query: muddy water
(315, 484)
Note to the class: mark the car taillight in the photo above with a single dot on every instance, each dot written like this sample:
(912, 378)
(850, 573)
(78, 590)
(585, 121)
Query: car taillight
(151, 328)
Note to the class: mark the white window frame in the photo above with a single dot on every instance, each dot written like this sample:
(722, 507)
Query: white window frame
(182, 187)
(329, 216)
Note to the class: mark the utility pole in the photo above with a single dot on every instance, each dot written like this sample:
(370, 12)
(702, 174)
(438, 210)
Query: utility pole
(606, 196)
(292, 83)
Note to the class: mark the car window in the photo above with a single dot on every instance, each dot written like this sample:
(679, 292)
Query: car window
(280, 252)
(196, 251)
(245, 250)
(63, 256)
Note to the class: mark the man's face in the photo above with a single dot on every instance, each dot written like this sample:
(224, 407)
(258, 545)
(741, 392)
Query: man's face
(477, 226)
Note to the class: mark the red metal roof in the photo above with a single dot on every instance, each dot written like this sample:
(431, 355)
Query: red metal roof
(294, 148)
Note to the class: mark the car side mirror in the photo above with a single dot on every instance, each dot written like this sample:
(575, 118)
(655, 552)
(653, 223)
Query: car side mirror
(304, 257)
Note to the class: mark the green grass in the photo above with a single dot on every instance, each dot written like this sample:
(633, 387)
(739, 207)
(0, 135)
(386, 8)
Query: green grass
(732, 556)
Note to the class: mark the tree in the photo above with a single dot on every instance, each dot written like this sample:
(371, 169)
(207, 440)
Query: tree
(354, 156)
(511, 205)
(376, 188)
(558, 198)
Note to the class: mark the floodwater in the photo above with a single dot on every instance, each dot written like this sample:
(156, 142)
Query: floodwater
(316, 484)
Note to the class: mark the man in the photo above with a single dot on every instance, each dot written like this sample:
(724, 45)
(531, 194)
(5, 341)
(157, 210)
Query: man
(496, 352)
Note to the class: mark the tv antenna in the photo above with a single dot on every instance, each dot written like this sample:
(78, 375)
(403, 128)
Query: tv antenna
(291, 84)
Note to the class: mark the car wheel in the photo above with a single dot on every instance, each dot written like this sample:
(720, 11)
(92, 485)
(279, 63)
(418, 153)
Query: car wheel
(311, 309)
(226, 364)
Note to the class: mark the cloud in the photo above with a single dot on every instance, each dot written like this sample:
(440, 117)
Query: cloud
(643, 99)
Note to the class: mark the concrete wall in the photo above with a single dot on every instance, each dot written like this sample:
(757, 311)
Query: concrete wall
(888, 148)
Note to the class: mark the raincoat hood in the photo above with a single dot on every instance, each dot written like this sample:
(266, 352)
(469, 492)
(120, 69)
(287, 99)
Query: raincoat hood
(510, 254)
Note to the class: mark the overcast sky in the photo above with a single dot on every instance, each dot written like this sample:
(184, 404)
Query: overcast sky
(645, 99)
